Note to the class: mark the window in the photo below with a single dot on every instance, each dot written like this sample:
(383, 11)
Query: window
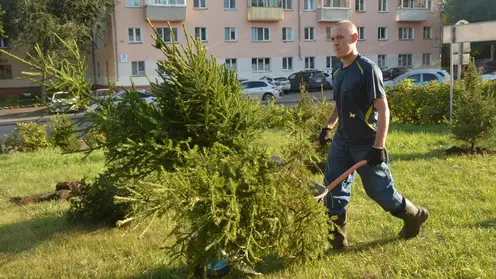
(134, 35)
(133, 3)
(406, 4)
(337, 4)
(201, 32)
(427, 33)
(381, 60)
(429, 77)
(138, 68)
(328, 33)
(230, 34)
(98, 72)
(361, 33)
(426, 59)
(414, 78)
(360, 5)
(260, 34)
(4, 43)
(328, 62)
(229, 4)
(429, 5)
(231, 63)
(383, 5)
(200, 4)
(287, 63)
(5, 71)
(170, 2)
(260, 64)
(287, 34)
(309, 34)
(310, 62)
(106, 69)
(309, 5)
(287, 4)
(406, 33)
(165, 34)
(382, 34)
(405, 60)
(266, 3)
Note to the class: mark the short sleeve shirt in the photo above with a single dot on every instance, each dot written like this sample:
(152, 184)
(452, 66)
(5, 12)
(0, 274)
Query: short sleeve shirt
(355, 88)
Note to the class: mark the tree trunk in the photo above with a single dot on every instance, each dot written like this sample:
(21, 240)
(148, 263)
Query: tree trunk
(493, 50)
(43, 89)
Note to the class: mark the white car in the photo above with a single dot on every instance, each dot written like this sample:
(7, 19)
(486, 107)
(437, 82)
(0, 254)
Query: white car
(118, 96)
(282, 82)
(421, 76)
(260, 89)
(60, 102)
(491, 76)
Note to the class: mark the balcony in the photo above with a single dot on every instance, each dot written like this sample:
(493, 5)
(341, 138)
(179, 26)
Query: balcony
(265, 10)
(412, 10)
(334, 10)
(165, 10)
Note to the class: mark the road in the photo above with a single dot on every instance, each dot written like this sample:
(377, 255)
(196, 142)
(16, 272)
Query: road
(8, 122)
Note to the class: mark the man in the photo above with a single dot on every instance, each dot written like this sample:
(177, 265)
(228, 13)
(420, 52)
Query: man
(363, 114)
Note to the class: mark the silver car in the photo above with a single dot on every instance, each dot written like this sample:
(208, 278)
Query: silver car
(260, 89)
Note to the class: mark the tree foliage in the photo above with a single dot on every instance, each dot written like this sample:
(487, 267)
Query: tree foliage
(474, 110)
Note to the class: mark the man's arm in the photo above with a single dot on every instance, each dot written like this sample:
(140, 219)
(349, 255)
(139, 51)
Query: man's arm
(333, 118)
(382, 108)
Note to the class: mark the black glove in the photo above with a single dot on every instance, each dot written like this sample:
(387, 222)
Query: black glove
(376, 156)
(324, 136)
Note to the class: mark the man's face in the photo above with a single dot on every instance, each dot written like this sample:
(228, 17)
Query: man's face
(342, 41)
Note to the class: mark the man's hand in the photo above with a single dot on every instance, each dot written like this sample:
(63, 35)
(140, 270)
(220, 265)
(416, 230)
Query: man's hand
(324, 136)
(376, 156)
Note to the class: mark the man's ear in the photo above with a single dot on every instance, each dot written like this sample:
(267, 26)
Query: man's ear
(354, 37)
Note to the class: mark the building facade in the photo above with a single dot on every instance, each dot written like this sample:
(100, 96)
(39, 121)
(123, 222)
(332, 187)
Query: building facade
(264, 37)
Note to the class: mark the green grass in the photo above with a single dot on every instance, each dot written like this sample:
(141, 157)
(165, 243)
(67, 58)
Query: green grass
(458, 240)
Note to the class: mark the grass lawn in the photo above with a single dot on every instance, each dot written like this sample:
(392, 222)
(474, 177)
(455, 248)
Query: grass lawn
(458, 240)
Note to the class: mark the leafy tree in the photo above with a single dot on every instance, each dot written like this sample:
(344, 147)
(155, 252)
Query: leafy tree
(35, 22)
(474, 110)
(2, 13)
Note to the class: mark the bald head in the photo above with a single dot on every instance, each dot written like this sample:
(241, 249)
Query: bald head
(344, 36)
(347, 26)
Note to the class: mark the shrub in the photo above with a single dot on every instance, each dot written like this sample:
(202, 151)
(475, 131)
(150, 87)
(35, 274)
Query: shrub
(27, 137)
(63, 133)
(474, 111)
(94, 139)
(420, 104)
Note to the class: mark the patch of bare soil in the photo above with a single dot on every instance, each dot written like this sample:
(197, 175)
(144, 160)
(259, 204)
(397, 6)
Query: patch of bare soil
(62, 193)
(456, 150)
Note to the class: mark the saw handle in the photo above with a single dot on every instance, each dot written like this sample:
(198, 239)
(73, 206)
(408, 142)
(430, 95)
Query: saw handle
(345, 174)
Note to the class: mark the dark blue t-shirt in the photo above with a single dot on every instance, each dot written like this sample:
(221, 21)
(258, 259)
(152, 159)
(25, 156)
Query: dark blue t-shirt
(355, 88)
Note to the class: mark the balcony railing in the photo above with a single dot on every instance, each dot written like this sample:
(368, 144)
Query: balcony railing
(334, 10)
(166, 10)
(412, 10)
(265, 10)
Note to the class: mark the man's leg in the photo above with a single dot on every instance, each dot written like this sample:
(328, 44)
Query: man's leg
(379, 185)
(338, 161)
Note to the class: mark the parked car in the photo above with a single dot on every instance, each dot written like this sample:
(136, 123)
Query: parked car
(421, 76)
(313, 79)
(491, 76)
(260, 89)
(282, 82)
(101, 94)
(392, 73)
(329, 80)
(116, 98)
(488, 66)
(61, 102)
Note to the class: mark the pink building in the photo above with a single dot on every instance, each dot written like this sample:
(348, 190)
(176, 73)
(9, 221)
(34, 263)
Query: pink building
(264, 37)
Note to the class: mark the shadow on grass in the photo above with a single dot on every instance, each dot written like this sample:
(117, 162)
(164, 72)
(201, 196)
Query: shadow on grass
(269, 264)
(488, 224)
(365, 246)
(415, 129)
(26, 235)
(435, 153)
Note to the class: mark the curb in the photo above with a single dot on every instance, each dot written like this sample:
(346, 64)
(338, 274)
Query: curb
(21, 106)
